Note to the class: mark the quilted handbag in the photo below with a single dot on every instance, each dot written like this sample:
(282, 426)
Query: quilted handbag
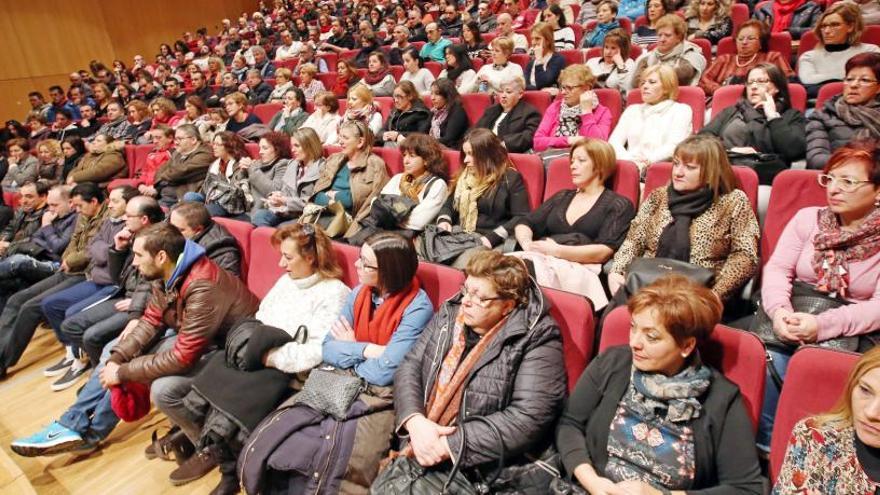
(330, 391)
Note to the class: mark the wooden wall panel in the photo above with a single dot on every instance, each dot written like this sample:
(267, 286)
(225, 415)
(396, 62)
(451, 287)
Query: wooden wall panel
(44, 40)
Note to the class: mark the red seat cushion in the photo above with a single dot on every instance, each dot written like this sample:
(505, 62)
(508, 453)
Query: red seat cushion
(574, 315)
(538, 99)
(242, 233)
(474, 105)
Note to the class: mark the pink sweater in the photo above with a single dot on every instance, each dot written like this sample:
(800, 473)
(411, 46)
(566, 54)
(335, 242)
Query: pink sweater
(595, 125)
(792, 258)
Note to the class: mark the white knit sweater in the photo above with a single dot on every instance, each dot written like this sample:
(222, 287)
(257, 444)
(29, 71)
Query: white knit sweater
(312, 301)
(819, 65)
(651, 132)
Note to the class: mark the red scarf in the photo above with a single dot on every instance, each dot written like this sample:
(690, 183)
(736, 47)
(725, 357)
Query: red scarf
(783, 13)
(836, 248)
(377, 327)
(376, 77)
(343, 84)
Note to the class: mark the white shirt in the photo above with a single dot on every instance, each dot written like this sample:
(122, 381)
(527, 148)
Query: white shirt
(422, 80)
(288, 52)
(496, 76)
(431, 200)
(651, 132)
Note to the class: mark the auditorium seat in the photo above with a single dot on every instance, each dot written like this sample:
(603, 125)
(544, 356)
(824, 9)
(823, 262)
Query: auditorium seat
(392, 158)
(574, 315)
(532, 170)
(265, 111)
(539, 99)
(689, 95)
(738, 355)
(435, 67)
(828, 91)
(136, 158)
(440, 282)
(792, 190)
(474, 105)
(739, 13)
(611, 99)
(253, 150)
(659, 175)
(727, 96)
(263, 271)
(242, 233)
(624, 181)
(573, 56)
(385, 104)
(453, 161)
(815, 380)
(328, 79)
(397, 71)
(521, 59)
(346, 255)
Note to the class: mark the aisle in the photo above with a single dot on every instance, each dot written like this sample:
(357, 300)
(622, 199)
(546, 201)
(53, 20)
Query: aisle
(119, 467)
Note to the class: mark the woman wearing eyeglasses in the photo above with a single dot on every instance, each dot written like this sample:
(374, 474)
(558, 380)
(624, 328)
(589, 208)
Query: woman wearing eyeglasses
(409, 115)
(752, 48)
(837, 34)
(577, 114)
(834, 250)
(854, 114)
(492, 351)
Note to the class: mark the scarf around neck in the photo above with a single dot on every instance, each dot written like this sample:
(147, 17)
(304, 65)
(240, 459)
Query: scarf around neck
(363, 114)
(675, 240)
(376, 326)
(783, 13)
(866, 118)
(412, 187)
(438, 117)
(467, 193)
(372, 78)
(569, 120)
(673, 398)
(835, 248)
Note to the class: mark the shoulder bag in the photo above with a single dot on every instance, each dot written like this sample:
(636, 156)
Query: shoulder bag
(332, 218)
(330, 391)
(645, 271)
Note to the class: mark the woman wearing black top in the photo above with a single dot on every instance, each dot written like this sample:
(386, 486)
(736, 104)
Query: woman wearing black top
(449, 122)
(569, 236)
(73, 148)
(472, 40)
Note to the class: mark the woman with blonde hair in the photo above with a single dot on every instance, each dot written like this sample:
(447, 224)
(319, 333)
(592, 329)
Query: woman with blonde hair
(545, 64)
(577, 114)
(360, 108)
(648, 132)
(50, 161)
(236, 105)
(708, 19)
(164, 112)
(283, 83)
(837, 452)
(568, 254)
(308, 83)
(491, 75)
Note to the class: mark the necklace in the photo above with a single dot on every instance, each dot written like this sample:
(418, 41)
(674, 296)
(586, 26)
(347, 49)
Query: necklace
(736, 61)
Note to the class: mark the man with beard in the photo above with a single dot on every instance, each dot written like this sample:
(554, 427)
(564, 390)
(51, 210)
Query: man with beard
(199, 299)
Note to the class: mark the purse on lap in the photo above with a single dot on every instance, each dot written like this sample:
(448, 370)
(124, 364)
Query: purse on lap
(330, 391)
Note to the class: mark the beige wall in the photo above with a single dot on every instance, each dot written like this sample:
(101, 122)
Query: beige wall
(44, 40)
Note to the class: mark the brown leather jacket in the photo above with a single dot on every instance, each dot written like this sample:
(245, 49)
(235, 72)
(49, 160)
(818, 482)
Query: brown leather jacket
(368, 177)
(202, 304)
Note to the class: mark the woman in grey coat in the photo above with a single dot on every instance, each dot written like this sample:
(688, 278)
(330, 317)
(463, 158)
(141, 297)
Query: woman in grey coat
(23, 166)
(292, 115)
(266, 173)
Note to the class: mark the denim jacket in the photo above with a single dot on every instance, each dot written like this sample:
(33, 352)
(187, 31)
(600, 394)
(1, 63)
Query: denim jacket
(380, 370)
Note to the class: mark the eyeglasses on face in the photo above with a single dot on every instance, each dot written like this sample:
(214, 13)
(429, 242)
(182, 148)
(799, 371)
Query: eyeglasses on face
(482, 302)
(365, 266)
(860, 81)
(846, 184)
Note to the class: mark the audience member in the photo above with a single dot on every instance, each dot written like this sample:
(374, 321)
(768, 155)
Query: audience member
(378, 78)
(491, 75)
(646, 34)
(613, 68)
(436, 46)
(513, 120)
(563, 35)
(795, 16)
(708, 19)
(606, 22)
(50, 160)
(408, 116)
(460, 70)
(346, 78)
(283, 83)
(186, 169)
(23, 166)
(472, 40)
(672, 50)
(416, 73)
(576, 114)
(236, 105)
(309, 84)
(226, 190)
(292, 114)
(103, 163)
(361, 108)
(325, 119)
(449, 121)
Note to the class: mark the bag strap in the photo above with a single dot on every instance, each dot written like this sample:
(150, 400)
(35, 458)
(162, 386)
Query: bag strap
(456, 466)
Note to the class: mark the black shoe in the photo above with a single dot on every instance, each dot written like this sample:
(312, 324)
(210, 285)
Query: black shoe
(76, 371)
(59, 368)
(228, 485)
(162, 447)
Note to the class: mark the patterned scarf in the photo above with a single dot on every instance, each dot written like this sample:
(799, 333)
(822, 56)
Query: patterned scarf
(362, 115)
(411, 186)
(836, 248)
(467, 192)
(569, 120)
(673, 398)
(437, 120)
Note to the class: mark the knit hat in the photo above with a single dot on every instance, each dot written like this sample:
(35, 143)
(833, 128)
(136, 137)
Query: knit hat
(130, 401)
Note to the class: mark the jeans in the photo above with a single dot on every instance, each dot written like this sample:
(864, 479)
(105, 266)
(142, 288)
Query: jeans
(265, 218)
(92, 328)
(167, 394)
(23, 312)
(779, 361)
(213, 208)
(72, 300)
(91, 415)
(22, 270)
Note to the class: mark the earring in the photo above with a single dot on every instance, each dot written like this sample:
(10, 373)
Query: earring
(684, 355)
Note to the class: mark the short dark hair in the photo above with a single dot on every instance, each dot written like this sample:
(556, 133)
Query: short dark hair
(150, 208)
(396, 260)
(56, 88)
(127, 192)
(36, 94)
(280, 142)
(42, 187)
(65, 112)
(867, 60)
(88, 191)
(163, 237)
(195, 214)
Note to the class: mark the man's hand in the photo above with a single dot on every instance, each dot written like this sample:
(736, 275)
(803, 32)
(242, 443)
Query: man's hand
(49, 217)
(109, 375)
(122, 305)
(122, 239)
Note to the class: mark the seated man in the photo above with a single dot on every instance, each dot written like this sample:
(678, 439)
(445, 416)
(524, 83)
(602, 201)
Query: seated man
(23, 313)
(117, 124)
(192, 293)
(512, 119)
(435, 48)
(257, 90)
(185, 171)
(97, 286)
(262, 63)
(195, 223)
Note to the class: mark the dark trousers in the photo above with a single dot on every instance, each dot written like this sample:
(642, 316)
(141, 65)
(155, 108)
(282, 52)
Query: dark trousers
(23, 313)
(93, 328)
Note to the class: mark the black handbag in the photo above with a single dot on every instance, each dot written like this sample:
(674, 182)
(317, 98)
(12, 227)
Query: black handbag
(645, 271)
(330, 391)
(404, 476)
(440, 246)
(766, 165)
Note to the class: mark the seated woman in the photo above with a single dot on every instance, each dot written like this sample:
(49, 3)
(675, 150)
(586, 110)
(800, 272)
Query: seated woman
(409, 115)
(832, 250)
(459, 70)
(563, 35)
(472, 39)
(545, 65)
(836, 452)
(139, 117)
(698, 436)
(352, 177)
(422, 182)
(226, 190)
(415, 71)
(369, 44)
(360, 108)
(378, 78)
(606, 22)
(50, 160)
(708, 19)
(577, 114)
(195, 113)
(489, 196)
(752, 49)
(648, 132)
(449, 121)
(854, 114)
(837, 35)
(700, 218)
(22, 165)
(795, 16)
(512, 119)
(646, 34)
(103, 163)
(73, 148)
(283, 83)
(102, 96)
(346, 78)
(292, 115)
(613, 68)
(502, 338)
(298, 182)
(762, 130)
(672, 50)
(309, 84)
(266, 174)
(236, 105)
(570, 236)
(490, 75)
(164, 112)
(325, 119)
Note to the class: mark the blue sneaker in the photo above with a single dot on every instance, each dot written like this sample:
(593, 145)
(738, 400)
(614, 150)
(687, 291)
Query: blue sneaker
(54, 439)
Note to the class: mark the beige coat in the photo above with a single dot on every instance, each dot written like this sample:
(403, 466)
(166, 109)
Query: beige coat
(368, 176)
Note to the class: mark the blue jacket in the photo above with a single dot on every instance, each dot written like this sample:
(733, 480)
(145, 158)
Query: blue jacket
(380, 370)
(55, 237)
(192, 252)
(631, 9)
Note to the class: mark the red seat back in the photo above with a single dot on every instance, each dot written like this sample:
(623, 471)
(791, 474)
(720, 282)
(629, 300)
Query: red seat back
(659, 175)
(346, 255)
(520, 59)
(474, 105)
(739, 13)
(574, 314)
(573, 57)
(871, 34)
(738, 355)
(242, 233)
(453, 161)
(578, 32)
(435, 67)
(397, 71)
(439, 282)
(385, 104)
(807, 43)
(815, 380)
(624, 180)
(792, 190)
(392, 158)
(726, 96)
(264, 269)
(828, 91)
(538, 99)
(253, 149)
(136, 157)
(328, 79)
(692, 96)
(11, 199)
(610, 99)
(265, 111)
(532, 170)
(130, 159)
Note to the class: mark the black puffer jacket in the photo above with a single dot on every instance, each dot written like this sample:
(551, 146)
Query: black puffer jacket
(221, 247)
(416, 119)
(518, 384)
(827, 131)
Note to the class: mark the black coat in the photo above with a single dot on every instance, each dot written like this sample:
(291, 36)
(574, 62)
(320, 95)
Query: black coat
(827, 131)
(220, 247)
(517, 130)
(784, 136)
(518, 384)
(453, 129)
(416, 119)
(260, 94)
